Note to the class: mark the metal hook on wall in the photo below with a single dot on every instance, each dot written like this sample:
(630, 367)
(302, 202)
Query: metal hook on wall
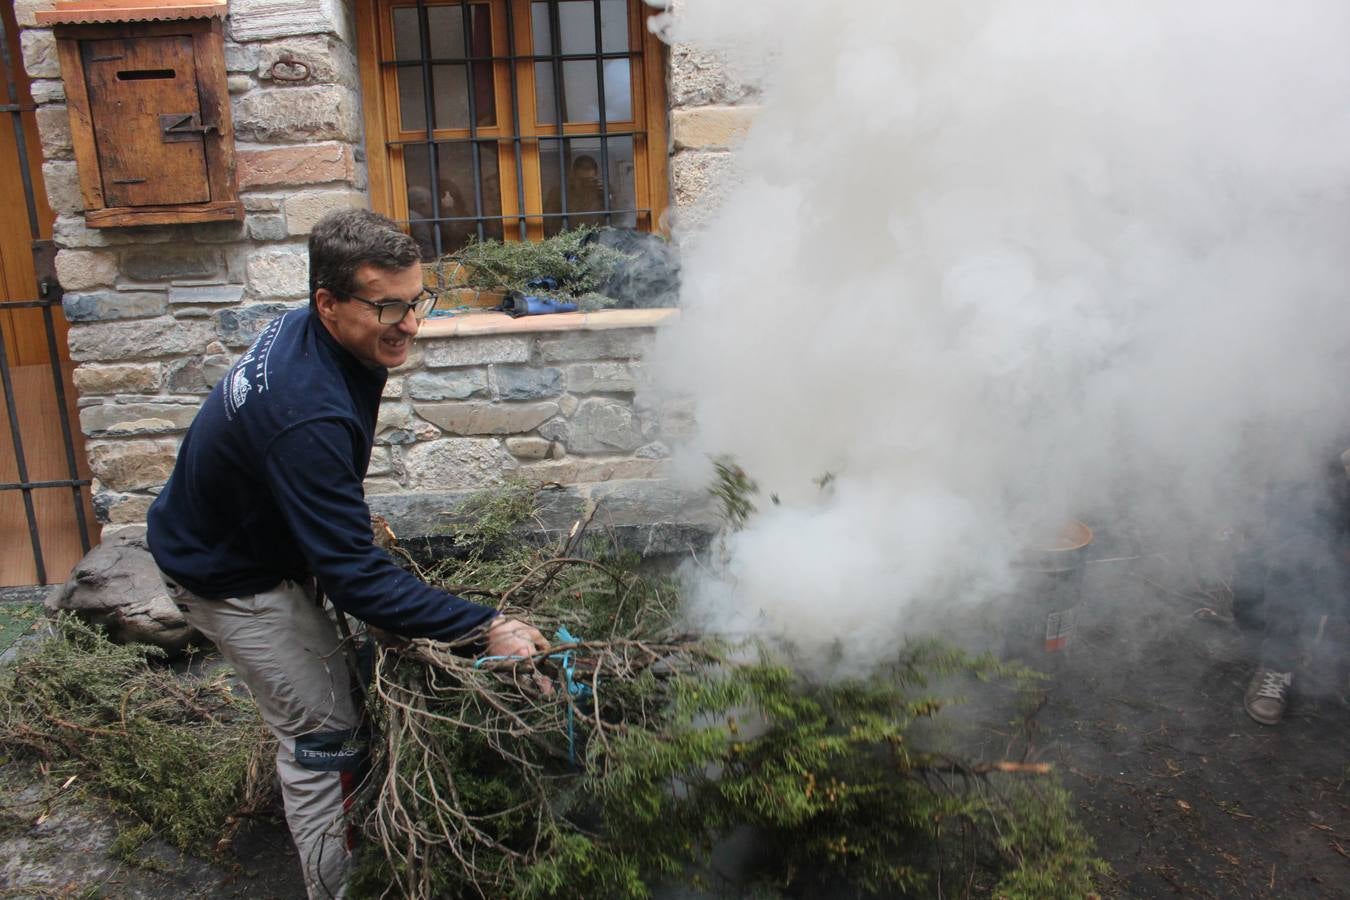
(290, 69)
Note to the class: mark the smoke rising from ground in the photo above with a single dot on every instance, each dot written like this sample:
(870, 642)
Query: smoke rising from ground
(1002, 263)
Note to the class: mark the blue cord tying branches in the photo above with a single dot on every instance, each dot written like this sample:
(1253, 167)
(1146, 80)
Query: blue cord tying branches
(577, 691)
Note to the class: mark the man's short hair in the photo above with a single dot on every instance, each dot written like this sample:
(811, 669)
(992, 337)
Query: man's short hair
(347, 239)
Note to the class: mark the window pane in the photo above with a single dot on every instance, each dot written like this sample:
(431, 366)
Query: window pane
(454, 200)
(576, 23)
(450, 86)
(581, 159)
(581, 100)
(445, 27)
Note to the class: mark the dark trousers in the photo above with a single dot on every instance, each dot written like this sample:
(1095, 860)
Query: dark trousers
(1293, 571)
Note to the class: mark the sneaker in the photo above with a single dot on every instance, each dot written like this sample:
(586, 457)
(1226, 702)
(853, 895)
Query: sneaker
(1268, 695)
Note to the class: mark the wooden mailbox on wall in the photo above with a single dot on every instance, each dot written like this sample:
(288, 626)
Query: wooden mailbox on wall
(149, 110)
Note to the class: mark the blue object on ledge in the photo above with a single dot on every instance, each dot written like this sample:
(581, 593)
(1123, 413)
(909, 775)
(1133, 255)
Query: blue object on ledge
(517, 304)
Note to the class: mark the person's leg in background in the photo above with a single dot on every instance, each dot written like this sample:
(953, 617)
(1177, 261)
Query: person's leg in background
(1299, 576)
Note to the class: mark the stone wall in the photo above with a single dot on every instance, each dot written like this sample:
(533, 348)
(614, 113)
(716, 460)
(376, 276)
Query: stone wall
(159, 313)
(711, 108)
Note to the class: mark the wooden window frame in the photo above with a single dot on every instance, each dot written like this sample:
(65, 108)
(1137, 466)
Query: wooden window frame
(649, 125)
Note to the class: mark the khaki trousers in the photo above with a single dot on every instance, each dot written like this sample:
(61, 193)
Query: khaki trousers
(286, 649)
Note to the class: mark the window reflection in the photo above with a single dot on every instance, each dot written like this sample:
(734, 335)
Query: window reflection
(453, 217)
(586, 200)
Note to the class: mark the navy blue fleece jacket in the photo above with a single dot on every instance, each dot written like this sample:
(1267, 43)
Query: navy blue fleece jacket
(268, 486)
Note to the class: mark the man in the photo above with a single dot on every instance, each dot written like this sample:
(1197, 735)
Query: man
(585, 193)
(266, 498)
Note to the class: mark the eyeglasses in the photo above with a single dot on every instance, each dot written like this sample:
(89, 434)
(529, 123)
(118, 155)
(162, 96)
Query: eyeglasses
(391, 312)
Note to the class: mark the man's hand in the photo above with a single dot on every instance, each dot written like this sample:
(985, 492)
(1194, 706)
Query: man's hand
(508, 637)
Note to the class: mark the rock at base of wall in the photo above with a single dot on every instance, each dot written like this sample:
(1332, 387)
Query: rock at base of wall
(117, 586)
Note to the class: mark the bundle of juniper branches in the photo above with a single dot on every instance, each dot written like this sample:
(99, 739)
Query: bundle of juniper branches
(615, 762)
(622, 756)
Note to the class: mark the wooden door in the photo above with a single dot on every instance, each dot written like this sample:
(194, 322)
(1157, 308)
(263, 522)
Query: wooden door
(147, 120)
(46, 518)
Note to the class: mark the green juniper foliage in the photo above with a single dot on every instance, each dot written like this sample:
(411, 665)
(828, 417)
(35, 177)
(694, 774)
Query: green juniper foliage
(484, 785)
(579, 268)
(184, 755)
(837, 781)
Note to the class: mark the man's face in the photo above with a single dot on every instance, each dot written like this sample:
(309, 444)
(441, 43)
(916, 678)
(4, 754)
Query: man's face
(357, 327)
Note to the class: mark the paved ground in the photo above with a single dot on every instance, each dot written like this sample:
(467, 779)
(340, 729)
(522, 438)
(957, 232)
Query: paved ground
(1185, 795)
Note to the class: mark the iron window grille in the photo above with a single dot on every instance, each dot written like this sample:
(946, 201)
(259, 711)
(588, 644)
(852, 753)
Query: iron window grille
(514, 119)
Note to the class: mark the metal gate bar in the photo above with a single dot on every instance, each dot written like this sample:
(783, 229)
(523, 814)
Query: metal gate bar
(49, 294)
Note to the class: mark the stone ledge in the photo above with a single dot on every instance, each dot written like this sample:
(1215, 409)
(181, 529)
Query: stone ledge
(480, 323)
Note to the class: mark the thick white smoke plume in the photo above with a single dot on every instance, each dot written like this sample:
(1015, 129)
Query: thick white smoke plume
(1001, 263)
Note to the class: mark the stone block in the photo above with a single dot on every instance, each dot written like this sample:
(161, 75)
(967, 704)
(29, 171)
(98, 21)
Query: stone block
(46, 91)
(601, 378)
(54, 131)
(78, 270)
(528, 447)
(568, 404)
(620, 343)
(62, 181)
(173, 263)
(132, 465)
(261, 202)
(487, 418)
(380, 462)
(481, 351)
(198, 374)
(579, 470)
(216, 232)
(558, 430)
(604, 426)
(278, 272)
(238, 84)
(129, 378)
(114, 508)
(322, 112)
(241, 57)
(117, 587)
(289, 166)
(25, 11)
(205, 294)
(108, 419)
(261, 20)
(459, 384)
(701, 77)
(100, 306)
(326, 60)
(696, 175)
(710, 127)
(527, 382)
(238, 327)
(70, 230)
(654, 450)
(393, 388)
(143, 339)
(304, 210)
(451, 463)
(39, 53)
(266, 227)
(394, 415)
